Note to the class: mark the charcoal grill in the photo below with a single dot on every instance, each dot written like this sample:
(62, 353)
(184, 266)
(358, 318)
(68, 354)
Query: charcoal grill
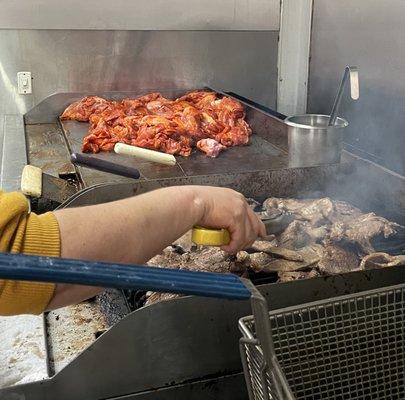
(168, 350)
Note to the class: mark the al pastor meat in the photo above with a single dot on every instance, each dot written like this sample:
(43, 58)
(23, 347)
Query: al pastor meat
(200, 119)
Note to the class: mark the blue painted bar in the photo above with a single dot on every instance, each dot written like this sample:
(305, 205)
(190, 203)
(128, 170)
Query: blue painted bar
(121, 276)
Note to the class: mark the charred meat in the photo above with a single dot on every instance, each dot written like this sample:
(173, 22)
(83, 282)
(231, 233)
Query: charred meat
(315, 212)
(381, 260)
(362, 229)
(335, 259)
(326, 237)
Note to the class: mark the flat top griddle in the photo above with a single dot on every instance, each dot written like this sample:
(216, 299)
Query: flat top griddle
(262, 153)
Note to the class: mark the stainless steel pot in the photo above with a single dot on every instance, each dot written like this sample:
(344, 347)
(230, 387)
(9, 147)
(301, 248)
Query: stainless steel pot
(312, 142)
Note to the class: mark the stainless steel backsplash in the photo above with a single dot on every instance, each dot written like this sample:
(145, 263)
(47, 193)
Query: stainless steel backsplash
(371, 35)
(76, 60)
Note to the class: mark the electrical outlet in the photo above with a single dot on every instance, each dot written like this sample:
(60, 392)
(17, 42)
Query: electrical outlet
(24, 82)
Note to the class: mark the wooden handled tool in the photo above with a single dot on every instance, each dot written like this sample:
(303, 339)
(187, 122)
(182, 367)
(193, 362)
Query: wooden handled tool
(31, 181)
(145, 154)
(274, 224)
(35, 183)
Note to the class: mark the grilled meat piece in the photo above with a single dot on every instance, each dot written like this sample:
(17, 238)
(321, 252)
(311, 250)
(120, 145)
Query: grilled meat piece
(242, 262)
(309, 259)
(294, 276)
(272, 250)
(381, 260)
(279, 260)
(362, 229)
(335, 259)
(262, 245)
(300, 234)
(199, 119)
(394, 244)
(280, 265)
(316, 212)
(294, 236)
(259, 261)
(155, 297)
(211, 259)
(199, 98)
(343, 211)
(170, 258)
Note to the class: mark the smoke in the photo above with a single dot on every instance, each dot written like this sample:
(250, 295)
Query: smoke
(370, 187)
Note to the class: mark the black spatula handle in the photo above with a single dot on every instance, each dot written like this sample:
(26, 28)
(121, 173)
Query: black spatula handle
(105, 166)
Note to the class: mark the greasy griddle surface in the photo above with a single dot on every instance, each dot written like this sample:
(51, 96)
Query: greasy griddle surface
(260, 154)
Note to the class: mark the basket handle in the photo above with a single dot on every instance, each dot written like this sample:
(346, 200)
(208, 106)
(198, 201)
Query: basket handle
(121, 276)
(265, 340)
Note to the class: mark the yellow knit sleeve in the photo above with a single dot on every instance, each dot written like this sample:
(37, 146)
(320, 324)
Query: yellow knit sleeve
(21, 232)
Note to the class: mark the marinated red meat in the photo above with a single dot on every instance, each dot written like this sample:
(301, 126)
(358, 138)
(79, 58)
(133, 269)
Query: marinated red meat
(199, 119)
(210, 147)
(82, 110)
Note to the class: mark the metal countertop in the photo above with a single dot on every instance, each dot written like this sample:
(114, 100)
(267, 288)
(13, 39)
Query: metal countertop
(13, 150)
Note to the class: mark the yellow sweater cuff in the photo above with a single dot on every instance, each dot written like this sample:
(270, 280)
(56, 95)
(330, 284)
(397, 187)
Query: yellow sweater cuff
(41, 237)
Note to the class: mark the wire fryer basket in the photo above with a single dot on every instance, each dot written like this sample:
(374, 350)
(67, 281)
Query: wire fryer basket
(349, 347)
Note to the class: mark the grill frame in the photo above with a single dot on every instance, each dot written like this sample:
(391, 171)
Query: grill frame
(343, 365)
(355, 180)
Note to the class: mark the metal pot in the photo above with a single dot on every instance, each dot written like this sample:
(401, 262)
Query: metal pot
(312, 142)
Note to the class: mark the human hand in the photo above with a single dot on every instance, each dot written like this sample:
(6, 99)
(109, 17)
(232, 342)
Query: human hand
(228, 209)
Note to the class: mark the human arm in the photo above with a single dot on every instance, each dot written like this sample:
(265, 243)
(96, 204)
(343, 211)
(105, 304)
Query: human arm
(135, 229)
(21, 232)
(129, 231)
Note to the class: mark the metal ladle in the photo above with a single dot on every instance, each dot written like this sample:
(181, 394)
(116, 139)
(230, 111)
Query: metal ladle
(353, 73)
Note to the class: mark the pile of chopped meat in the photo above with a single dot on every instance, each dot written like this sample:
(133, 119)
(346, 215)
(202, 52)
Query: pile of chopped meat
(325, 237)
(201, 119)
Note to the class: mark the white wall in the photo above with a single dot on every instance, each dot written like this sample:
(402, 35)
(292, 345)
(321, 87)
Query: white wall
(141, 14)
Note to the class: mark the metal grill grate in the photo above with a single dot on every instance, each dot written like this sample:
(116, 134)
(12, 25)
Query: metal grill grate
(344, 348)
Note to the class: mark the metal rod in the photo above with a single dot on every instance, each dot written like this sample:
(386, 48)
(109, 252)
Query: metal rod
(353, 73)
(245, 366)
(265, 338)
